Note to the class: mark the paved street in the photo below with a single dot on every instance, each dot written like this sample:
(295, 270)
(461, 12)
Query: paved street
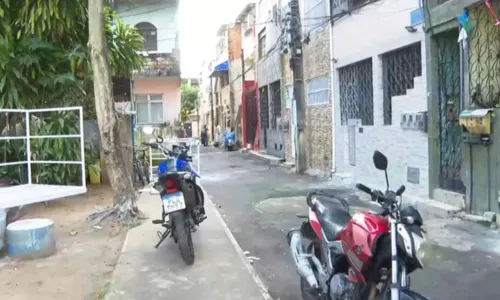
(219, 271)
(259, 204)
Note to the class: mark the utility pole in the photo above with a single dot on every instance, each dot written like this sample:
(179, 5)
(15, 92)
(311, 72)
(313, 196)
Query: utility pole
(297, 67)
(242, 66)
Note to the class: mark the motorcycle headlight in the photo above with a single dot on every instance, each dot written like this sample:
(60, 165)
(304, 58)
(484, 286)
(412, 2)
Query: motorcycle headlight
(411, 240)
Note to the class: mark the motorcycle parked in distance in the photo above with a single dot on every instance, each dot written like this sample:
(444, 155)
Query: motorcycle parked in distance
(364, 256)
(182, 200)
(230, 140)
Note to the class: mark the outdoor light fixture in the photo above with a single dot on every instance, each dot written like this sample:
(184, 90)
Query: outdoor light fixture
(411, 29)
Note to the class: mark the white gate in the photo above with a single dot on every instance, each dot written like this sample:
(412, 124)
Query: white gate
(32, 192)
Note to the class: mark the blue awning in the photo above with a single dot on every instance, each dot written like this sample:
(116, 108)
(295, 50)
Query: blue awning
(222, 67)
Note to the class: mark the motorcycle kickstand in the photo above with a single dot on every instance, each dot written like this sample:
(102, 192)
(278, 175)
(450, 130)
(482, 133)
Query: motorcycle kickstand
(192, 225)
(162, 237)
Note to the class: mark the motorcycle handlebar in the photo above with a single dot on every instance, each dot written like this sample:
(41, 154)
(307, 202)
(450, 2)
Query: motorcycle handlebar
(401, 190)
(157, 145)
(364, 188)
(378, 196)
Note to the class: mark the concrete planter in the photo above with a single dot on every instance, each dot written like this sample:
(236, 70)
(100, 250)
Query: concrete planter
(3, 223)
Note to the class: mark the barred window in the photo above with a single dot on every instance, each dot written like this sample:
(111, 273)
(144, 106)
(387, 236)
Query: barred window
(356, 92)
(264, 107)
(149, 33)
(342, 6)
(400, 67)
(317, 91)
(315, 14)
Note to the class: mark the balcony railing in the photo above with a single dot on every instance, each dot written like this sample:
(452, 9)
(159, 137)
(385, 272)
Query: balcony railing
(160, 65)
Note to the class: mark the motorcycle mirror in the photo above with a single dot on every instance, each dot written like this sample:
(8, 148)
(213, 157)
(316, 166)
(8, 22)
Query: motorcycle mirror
(159, 140)
(380, 161)
(148, 130)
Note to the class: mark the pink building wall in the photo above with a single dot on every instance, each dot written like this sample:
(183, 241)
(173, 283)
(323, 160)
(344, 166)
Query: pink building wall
(169, 88)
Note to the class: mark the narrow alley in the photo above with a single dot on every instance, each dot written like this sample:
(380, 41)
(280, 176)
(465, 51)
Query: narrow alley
(260, 202)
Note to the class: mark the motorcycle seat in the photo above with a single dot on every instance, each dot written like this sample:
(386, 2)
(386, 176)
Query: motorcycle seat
(332, 216)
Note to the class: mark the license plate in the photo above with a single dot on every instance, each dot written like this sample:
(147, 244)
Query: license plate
(173, 202)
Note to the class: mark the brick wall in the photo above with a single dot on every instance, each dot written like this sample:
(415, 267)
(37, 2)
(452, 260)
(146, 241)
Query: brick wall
(234, 42)
(404, 148)
(319, 117)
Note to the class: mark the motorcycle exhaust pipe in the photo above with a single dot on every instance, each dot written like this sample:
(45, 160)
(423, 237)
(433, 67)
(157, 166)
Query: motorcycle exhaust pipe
(304, 268)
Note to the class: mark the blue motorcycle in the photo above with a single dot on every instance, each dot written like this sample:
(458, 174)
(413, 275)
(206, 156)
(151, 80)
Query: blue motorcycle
(230, 140)
(182, 198)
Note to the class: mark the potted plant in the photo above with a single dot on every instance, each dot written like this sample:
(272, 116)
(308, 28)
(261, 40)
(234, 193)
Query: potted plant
(93, 162)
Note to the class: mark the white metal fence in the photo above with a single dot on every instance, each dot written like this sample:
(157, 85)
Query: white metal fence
(28, 137)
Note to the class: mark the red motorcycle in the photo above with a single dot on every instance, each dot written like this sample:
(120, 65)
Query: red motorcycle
(363, 256)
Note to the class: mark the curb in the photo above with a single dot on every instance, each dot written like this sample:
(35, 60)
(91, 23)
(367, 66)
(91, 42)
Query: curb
(488, 219)
(258, 281)
(271, 160)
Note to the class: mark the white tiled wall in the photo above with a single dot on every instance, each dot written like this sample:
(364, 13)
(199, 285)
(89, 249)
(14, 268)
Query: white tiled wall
(379, 28)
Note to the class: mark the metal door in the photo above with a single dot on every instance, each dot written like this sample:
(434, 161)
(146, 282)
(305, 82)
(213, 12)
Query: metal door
(251, 116)
(275, 136)
(449, 108)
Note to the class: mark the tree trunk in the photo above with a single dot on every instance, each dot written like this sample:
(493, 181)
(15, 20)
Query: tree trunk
(120, 178)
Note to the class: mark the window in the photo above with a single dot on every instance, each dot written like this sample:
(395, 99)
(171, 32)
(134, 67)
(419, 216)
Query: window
(262, 43)
(356, 92)
(276, 16)
(399, 68)
(224, 79)
(342, 6)
(317, 91)
(315, 14)
(149, 33)
(149, 109)
(288, 94)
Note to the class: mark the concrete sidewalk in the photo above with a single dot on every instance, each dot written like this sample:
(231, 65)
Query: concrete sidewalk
(220, 271)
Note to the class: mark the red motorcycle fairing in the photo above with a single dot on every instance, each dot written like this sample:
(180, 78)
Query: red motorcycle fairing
(358, 239)
(315, 225)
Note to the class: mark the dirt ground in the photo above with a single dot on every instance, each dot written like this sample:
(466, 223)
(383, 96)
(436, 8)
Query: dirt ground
(85, 258)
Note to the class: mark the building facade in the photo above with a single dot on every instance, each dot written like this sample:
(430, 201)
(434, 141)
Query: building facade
(248, 95)
(462, 48)
(317, 77)
(155, 90)
(206, 97)
(221, 90)
(269, 72)
(380, 93)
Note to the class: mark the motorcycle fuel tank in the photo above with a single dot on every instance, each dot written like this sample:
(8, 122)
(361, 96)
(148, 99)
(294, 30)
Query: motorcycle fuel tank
(358, 238)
